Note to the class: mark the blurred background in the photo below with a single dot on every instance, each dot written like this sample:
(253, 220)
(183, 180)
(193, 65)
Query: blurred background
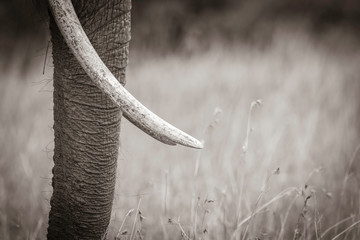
(272, 87)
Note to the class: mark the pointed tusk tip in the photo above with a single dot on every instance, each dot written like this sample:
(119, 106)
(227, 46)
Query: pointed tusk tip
(201, 144)
(196, 144)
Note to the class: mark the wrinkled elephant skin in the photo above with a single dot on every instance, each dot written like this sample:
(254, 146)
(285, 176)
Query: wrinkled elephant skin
(87, 124)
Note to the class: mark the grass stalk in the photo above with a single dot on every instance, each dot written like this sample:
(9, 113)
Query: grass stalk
(136, 215)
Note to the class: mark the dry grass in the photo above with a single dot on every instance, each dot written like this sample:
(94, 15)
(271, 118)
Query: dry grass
(288, 172)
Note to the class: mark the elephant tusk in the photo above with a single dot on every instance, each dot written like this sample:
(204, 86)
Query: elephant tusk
(75, 37)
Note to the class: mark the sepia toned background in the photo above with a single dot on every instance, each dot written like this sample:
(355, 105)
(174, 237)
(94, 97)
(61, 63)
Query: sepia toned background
(271, 87)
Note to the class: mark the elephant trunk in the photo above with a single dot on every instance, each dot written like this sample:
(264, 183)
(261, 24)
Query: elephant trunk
(87, 124)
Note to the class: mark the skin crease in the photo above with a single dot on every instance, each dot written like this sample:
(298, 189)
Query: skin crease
(86, 124)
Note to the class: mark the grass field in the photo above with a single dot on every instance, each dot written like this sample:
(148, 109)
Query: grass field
(281, 157)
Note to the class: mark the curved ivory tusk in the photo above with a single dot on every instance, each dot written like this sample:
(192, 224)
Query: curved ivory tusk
(71, 29)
